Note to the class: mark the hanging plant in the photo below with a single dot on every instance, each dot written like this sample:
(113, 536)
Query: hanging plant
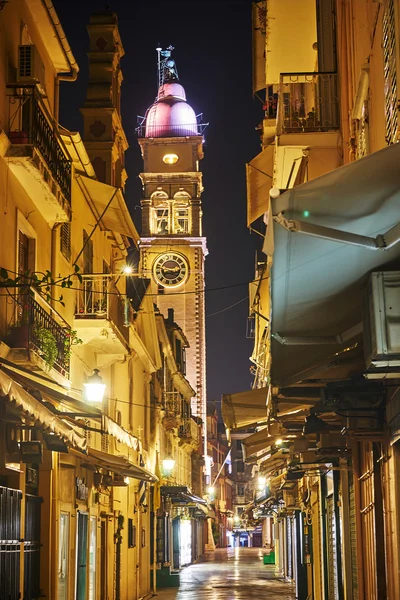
(46, 343)
(120, 526)
(71, 340)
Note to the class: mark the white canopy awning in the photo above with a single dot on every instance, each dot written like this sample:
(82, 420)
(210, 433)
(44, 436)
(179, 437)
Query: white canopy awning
(326, 243)
(259, 176)
(245, 409)
(116, 217)
(39, 412)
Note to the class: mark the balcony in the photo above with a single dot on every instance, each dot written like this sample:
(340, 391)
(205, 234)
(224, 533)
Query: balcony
(102, 315)
(37, 155)
(189, 432)
(308, 103)
(39, 338)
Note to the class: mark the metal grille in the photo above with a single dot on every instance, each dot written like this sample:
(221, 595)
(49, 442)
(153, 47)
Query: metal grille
(32, 548)
(25, 61)
(10, 533)
(65, 240)
(390, 76)
(353, 540)
(289, 534)
(368, 520)
(332, 549)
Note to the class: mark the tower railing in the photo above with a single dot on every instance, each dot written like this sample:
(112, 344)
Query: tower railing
(159, 131)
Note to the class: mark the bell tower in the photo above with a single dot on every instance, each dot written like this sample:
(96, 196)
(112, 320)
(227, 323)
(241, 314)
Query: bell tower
(103, 134)
(172, 245)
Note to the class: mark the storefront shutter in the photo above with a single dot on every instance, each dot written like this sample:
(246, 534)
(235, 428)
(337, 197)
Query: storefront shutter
(332, 549)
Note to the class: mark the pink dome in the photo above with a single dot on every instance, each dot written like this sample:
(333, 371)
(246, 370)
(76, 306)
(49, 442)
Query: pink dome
(171, 89)
(170, 115)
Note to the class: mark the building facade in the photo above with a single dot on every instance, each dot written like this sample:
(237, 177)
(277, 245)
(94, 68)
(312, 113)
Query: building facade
(324, 407)
(80, 475)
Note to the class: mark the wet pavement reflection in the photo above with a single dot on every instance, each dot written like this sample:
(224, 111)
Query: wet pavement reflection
(230, 574)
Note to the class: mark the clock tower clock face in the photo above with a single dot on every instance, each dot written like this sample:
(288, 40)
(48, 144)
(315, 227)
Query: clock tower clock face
(170, 269)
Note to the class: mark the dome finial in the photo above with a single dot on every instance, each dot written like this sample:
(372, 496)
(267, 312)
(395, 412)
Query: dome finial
(167, 70)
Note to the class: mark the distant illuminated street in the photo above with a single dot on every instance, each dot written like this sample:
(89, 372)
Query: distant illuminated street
(230, 574)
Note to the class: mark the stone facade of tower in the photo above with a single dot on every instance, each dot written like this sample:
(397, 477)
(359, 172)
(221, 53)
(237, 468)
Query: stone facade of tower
(172, 246)
(103, 134)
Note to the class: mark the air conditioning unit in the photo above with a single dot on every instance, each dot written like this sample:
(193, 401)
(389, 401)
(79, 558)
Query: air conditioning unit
(331, 446)
(30, 66)
(382, 325)
(364, 424)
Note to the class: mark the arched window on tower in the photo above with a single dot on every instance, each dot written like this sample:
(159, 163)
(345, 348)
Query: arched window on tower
(181, 213)
(160, 217)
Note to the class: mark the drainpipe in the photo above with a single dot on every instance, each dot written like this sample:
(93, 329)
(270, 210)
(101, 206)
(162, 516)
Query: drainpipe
(70, 75)
(54, 253)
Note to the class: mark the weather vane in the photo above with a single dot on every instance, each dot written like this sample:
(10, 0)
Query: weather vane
(166, 66)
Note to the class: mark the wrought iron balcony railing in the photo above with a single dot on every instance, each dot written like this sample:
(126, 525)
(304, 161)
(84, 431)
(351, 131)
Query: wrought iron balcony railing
(188, 430)
(308, 102)
(99, 298)
(38, 327)
(172, 403)
(31, 124)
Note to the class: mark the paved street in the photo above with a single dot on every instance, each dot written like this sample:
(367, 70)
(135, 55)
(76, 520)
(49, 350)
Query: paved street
(230, 574)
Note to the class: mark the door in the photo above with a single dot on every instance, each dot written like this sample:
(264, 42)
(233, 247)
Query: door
(92, 557)
(81, 556)
(176, 543)
(10, 534)
(63, 555)
(103, 560)
(32, 547)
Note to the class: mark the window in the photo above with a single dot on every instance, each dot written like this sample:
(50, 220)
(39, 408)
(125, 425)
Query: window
(131, 534)
(65, 240)
(87, 253)
(240, 490)
(181, 217)
(239, 466)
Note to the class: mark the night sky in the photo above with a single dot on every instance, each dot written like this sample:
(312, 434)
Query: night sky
(212, 41)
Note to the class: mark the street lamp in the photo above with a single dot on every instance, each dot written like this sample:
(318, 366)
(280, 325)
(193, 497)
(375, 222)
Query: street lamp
(261, 483)
(95, 388)
(127, 270)
(168, 465)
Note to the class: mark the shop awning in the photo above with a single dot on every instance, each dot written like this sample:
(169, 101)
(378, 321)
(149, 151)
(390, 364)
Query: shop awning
(55, 396)
(245, 409)
(180, 494)
(259, 441)
(259, 173)
(116, 217)
(37, 411)
(119, 464)
(319, 280)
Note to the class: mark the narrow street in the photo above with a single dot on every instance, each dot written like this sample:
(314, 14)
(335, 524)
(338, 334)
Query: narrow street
(232, 573)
